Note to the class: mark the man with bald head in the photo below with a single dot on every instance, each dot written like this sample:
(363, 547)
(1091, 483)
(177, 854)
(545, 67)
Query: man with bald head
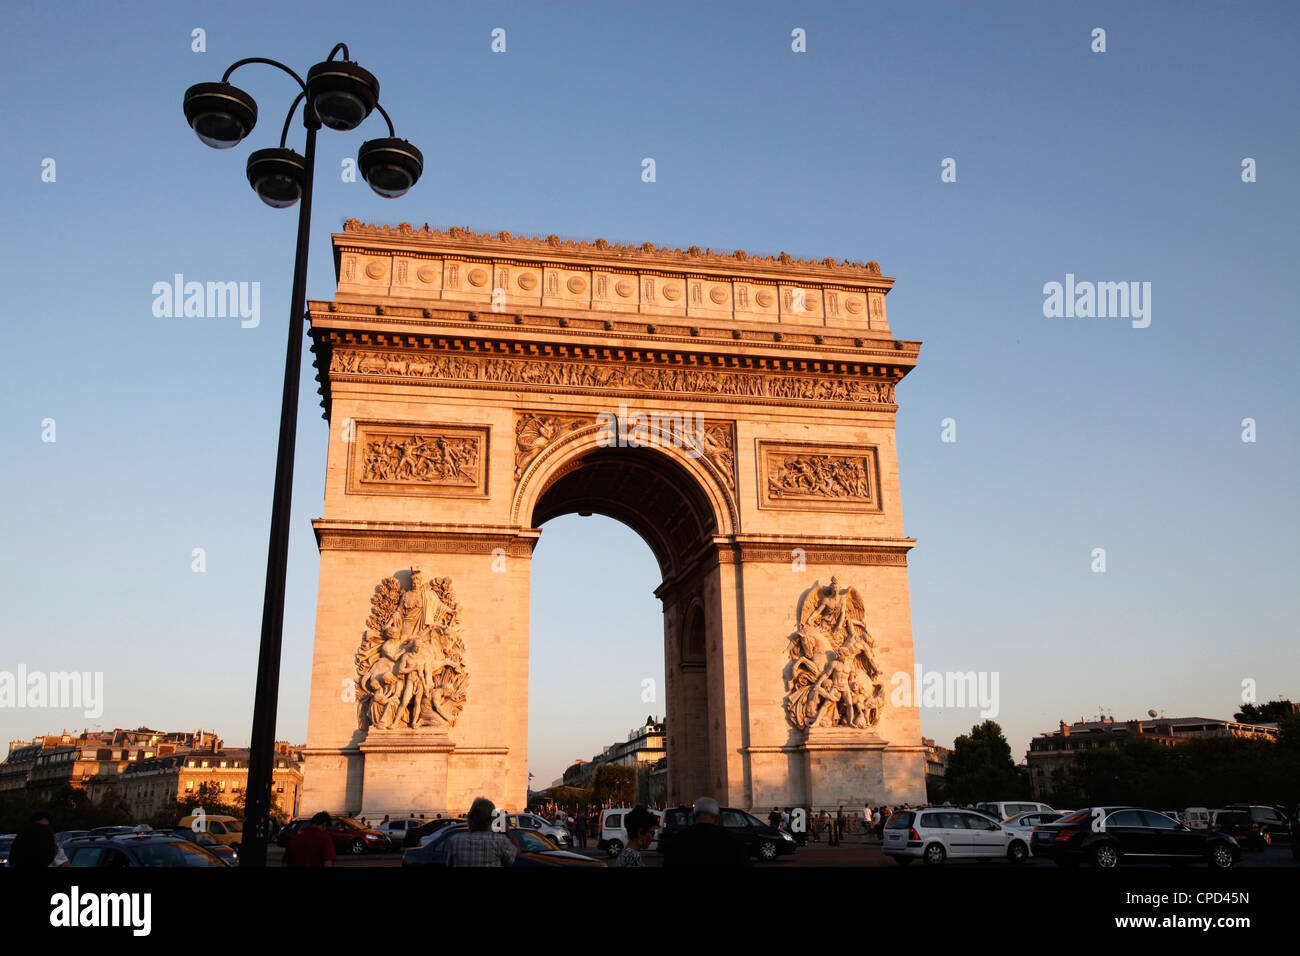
(705, 843)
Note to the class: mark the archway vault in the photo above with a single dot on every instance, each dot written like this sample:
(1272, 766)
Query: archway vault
(672, 499)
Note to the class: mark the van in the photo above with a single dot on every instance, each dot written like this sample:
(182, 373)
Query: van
(225, 830)
(613, 835)
(1198, 818)
(1006, 809)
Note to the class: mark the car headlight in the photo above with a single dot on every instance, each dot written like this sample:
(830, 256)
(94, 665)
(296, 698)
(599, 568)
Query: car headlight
(787, 837)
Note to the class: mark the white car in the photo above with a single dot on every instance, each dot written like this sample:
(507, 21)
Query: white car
(944, 833)
(531, 821)
(1006, 809)
(1022, 826)
(613, 835)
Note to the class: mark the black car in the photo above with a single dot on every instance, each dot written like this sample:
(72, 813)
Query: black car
(1108, 836)
(290, 830)
(1239, 825)
(415, 834)
(152, 849)
(760, 839)
(228, 854)
(1272, 822)
(1293, 830)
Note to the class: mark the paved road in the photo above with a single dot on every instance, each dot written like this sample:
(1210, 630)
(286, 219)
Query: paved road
(853, 853)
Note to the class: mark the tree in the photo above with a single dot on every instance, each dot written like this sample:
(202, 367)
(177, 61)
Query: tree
(614, 785)
(1271, 713)
(980, 767)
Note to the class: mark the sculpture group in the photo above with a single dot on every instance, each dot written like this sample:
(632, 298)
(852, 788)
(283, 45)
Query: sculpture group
(833, 679)
(411, 666)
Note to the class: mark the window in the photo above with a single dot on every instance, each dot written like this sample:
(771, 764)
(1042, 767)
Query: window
(1124, 818)
(614, 821)
(734, 820)
(1159, 821)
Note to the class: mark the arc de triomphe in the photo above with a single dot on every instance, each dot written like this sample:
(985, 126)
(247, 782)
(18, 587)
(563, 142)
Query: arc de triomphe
(737, 412)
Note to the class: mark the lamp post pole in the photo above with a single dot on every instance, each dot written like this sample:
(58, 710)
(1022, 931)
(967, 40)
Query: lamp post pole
(261, 747)
(338, 94)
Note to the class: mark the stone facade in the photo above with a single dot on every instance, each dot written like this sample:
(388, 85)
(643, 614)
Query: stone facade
(737, 412)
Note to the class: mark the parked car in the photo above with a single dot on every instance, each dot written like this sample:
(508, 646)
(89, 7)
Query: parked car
(1239, 825)
(939, 834)
(1198, 818)
(1022, 827)
(396, 829)
(531, 821)
(118, 830)
(613, 832)
(1006, 809)
(760, 838)
(1108, 836)
(533, 850)
(290, 830)
(1294, 828)
(6, 841)
(349, 836)
(148, 849)
(414, 837)
(64, 836)
(228, 854)
(1272, 821)
(224, 829)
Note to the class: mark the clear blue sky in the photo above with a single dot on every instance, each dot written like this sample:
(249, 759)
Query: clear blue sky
(1073, 434)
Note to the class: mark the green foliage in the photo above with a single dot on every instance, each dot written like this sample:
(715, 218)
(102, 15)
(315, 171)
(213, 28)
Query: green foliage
(568, 799)
(614, 786)
(1270, 713)
(69, 808)
(1204, 772)
(980, 767)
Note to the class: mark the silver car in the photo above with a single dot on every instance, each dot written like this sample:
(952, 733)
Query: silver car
(1022, 826)
(944, 833)
(531, 821)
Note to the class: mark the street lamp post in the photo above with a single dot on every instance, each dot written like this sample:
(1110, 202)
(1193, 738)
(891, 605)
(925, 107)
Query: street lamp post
(338, 94)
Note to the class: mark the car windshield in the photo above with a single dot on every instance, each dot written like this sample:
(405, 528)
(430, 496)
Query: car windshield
(901, 820)
(347, 823)
(174, 854)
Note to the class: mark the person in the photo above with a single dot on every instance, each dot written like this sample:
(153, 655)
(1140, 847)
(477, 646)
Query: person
(35, 845)
(839, 824)
(312, 845)
(866, 823)
(381, 822)
(640, 826)
(774, 818)
(785, 819)
(705, 843)
(580, 824)
(480, 845)
(832, 830)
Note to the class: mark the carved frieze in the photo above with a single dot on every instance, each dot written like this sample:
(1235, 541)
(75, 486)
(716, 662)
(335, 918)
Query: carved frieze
(403, 458)
(561, 374)
(535, 430)
(818, 477)
(831, 676)
(411, 670)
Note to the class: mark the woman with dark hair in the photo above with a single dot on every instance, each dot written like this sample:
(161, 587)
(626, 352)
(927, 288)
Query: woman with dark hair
(640, 825)
(35, 846)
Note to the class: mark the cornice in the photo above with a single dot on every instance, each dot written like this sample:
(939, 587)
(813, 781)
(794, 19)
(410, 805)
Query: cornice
(466, 241)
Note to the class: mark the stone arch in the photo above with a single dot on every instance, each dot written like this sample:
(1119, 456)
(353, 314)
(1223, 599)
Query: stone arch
(673, 501)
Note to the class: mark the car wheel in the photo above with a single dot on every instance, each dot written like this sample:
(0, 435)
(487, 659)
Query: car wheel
(767, 851)
(358, 846)
(935, 854)
(1017, 852)
(1220, 857)
(1106, 856)
(614, 848)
